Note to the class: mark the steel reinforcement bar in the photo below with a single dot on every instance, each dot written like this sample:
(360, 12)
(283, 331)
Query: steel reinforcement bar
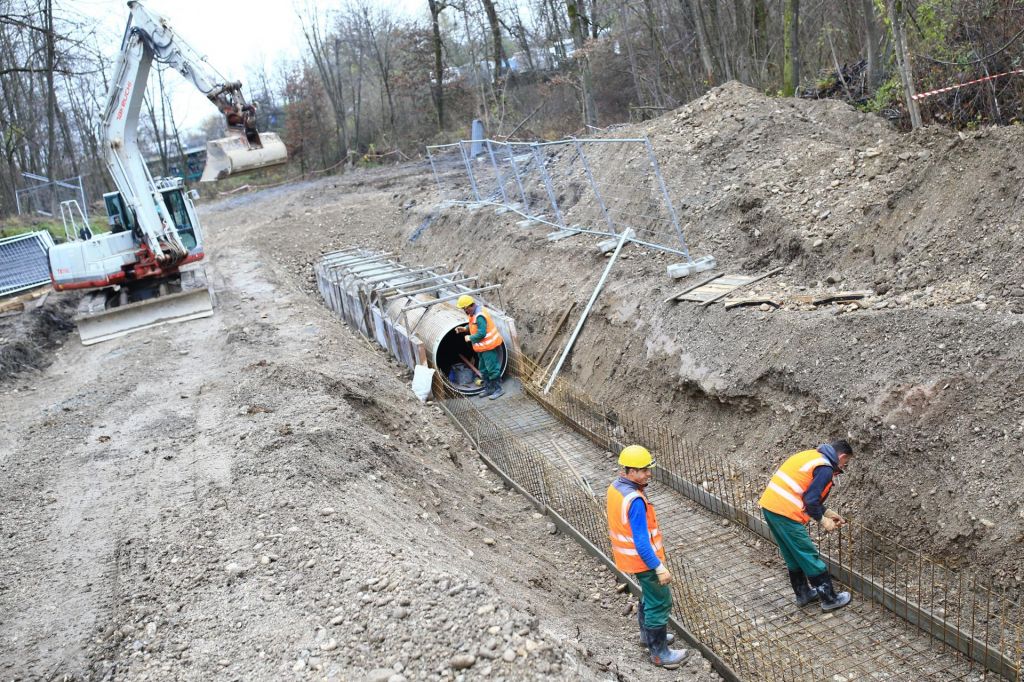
(953, 607)
(738, 647)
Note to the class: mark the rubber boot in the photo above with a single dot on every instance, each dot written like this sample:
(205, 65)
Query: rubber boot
(805, 594)
(661, 655)
(669, 637)
(488, 388)
(830, 599)
(498, 390)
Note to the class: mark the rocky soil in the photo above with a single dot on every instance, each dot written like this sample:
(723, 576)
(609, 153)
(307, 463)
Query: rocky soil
(258, 496)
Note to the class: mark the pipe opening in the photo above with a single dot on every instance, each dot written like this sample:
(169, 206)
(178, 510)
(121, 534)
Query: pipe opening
(452, 356)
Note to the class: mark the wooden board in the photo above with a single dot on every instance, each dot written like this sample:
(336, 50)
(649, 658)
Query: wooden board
(745, 302)
(18, 303)
(715, 288)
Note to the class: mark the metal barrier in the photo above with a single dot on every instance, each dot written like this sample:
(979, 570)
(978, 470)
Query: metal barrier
(599, 186)
(24, 261)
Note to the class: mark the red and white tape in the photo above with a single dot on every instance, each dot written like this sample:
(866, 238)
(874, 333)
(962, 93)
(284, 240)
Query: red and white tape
(922, 95)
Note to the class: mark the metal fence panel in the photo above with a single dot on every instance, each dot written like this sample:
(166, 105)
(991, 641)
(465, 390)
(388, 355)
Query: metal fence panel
(604, 187)
(24, 261)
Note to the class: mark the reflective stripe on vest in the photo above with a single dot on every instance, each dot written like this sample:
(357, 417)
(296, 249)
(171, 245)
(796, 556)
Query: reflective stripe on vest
(627, 559)
(492, 339)
(785, 492)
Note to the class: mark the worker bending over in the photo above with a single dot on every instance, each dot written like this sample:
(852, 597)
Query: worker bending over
(638, 548)
(795, 495)
(485, 338)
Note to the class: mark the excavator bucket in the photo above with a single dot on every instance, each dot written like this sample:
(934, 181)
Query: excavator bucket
(236, 154)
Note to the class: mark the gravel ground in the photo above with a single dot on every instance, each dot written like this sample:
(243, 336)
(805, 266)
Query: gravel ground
(258, 495)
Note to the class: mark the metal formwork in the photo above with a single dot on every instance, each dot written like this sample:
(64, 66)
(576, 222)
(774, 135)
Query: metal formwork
(408, 311)
(24, 261)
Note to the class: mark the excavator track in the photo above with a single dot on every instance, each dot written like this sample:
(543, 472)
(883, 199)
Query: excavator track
(103, 316)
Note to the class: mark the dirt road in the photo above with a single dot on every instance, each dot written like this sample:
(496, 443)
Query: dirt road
(258, 496)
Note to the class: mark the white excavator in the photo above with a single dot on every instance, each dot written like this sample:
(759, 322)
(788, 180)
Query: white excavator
(146, 270)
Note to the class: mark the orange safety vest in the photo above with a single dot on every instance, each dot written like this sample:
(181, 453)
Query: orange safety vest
(492, 339)
(785, 492)
(627, 560)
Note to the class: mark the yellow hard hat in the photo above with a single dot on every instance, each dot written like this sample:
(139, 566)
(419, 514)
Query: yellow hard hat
(465, 301)
(636, 457)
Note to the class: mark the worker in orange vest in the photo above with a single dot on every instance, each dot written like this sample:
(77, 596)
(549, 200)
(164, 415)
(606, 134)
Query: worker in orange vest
(638, 548)
(485, 339)
(796, 494)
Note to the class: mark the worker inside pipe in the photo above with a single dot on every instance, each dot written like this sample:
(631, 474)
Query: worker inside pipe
(459, 363)
(480, 352)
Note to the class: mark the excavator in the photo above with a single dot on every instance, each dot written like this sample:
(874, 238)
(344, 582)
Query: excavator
(146, 271)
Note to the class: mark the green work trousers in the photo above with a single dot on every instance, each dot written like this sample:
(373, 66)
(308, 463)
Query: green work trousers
(656, 599)
(490, 364)
(795, 544)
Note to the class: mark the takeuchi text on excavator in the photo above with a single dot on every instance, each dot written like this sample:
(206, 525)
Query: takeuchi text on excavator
(146, 270)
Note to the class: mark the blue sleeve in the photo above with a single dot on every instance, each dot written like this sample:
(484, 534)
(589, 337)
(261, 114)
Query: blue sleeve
(642, 536)
(481, 329)
(813, 499)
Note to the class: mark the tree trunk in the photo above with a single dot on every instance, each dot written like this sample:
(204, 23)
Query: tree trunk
(706, 57)
(577, 26)
(895, 9)
(51, 105)
(872, 40)
(790, 47)
(499, 52)
(437, 91)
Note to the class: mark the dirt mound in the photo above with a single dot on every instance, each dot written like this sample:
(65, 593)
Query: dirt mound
(28, 339)
(829, 191)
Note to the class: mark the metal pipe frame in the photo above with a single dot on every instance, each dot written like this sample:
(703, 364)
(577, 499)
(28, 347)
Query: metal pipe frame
(547, 185)
(497, 173)
(593, 186)
(384, 291)
(469, 171)
(443, 299)
(429, 290)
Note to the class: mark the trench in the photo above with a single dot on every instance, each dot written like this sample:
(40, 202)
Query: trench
(910, 619)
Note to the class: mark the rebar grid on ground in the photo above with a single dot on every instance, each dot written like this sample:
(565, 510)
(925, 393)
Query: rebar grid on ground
(951, 607)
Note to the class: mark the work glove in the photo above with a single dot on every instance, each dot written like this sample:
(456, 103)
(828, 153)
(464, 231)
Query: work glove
(466, 337)
(827, 524)
(840, 521)
(462, 330)
(664, 577)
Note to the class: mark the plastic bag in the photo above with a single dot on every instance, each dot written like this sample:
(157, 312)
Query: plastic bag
(422, 382)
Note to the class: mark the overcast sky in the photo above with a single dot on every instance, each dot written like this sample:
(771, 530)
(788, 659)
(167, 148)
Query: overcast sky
(233, 35)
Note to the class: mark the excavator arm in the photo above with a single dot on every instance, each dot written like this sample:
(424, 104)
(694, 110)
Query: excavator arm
(149, 37)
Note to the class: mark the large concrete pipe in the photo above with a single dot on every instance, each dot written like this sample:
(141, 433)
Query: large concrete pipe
(435, 327)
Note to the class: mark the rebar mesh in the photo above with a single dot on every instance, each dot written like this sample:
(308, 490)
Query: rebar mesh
(950, 607)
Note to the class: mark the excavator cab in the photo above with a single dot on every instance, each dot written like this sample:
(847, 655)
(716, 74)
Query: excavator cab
(121, 217)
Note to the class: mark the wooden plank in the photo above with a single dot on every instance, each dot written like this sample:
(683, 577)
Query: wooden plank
(756, 279)
(842, 296)
(744, 302)
(676, 296)
(554, 333)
